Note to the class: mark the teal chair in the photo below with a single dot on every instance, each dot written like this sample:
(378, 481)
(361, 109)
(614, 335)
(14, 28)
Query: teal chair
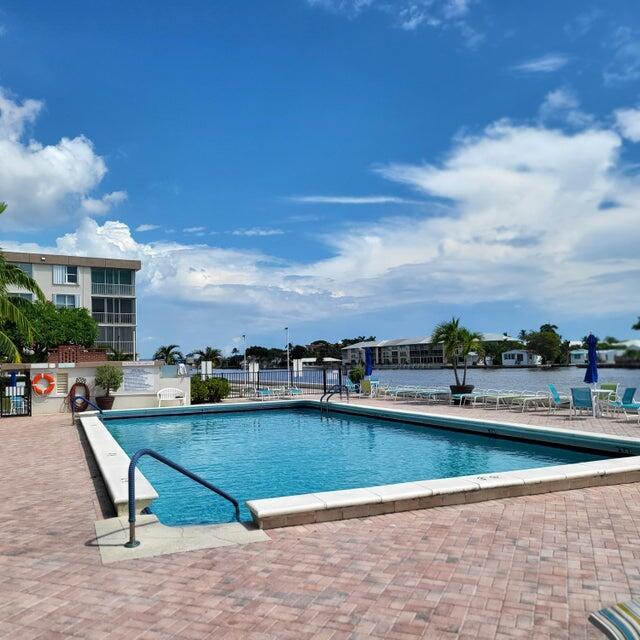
(581, 400)
(556, 401)
(626, 403)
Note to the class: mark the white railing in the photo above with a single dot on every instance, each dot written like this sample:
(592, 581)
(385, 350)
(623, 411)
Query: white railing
(103, 289)
(105, 317)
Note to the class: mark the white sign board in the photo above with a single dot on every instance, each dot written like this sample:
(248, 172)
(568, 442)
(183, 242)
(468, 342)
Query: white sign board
(138, 379)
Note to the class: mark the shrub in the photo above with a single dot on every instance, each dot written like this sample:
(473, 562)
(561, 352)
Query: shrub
(211, 390)
(109, 378)
(356, 374)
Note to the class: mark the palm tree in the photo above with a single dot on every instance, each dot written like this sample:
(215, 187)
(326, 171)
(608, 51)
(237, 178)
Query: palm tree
(457, 343)
(170, 353)
(208, 354)
(10, 306)
(117, 355)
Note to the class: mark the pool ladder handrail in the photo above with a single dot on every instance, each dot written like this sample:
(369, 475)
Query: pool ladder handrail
(336, 388)
(72, 403)
(177, 467)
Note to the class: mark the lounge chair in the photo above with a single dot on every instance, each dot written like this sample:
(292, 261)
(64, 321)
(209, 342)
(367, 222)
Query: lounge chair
(618, 622)
(266, 393)
(626, 403)
(352, 387)
(610, 386)
(294, 391)
(581, 400)
(557, 401)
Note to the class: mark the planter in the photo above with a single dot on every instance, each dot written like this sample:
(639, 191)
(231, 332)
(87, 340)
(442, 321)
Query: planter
(460, 388)
(105, 402)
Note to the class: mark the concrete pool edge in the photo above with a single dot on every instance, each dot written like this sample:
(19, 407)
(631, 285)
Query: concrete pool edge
(421, 494)
(328, 506)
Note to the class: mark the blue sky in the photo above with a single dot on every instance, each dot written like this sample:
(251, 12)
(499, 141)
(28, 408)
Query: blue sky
(339, 166)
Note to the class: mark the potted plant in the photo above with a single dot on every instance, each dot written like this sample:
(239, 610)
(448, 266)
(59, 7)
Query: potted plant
(457, 342)
(108, 378)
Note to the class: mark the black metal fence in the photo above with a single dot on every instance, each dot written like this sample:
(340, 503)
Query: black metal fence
(279, 382)
(15, 394)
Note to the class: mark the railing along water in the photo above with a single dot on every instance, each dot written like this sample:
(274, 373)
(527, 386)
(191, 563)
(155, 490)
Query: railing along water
(180, 469)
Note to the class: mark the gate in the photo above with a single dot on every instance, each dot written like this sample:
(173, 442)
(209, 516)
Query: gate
(15, 394)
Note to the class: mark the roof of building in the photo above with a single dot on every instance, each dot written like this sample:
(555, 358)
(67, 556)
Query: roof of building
(80, 261)
(398, 342)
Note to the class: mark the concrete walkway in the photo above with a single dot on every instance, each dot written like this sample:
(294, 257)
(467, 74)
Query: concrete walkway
(530, 567)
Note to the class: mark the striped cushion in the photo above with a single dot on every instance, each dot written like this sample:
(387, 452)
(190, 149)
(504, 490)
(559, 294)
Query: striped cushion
(619, 622)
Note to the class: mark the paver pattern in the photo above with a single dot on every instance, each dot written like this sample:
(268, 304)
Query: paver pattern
(530, 567)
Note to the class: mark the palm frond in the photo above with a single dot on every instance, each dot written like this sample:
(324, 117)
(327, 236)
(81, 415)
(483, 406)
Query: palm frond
(10, 274)
(10, 312)
(9, 349)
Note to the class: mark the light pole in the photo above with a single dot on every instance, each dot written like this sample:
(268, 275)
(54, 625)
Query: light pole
(244, 344)
(286, 333)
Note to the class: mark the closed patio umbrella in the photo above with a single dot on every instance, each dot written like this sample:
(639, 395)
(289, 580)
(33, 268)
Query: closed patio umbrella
(591, 375)
(368, 361)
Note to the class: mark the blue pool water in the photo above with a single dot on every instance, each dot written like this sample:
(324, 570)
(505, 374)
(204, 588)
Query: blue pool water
(262, 454)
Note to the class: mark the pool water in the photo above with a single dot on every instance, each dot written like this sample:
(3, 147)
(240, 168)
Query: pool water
(269, 453)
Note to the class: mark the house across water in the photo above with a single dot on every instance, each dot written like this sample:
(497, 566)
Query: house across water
(419, 352)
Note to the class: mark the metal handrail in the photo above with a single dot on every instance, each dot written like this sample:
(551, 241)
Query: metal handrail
(336, 388)
(72, 402)
(174, 465)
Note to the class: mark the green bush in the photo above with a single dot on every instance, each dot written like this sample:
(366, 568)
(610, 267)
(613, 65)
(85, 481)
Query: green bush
(211, 390)
(356, 374)
(109, 378)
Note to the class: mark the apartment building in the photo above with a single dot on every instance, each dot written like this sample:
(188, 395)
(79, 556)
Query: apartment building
(105, 287)
(411, 352)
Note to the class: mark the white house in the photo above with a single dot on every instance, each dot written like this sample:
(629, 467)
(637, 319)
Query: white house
(579, 356)
(520, 358)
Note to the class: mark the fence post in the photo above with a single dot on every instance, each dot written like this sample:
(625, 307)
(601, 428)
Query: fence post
(258, 379)
(324, 379)
(340, 380)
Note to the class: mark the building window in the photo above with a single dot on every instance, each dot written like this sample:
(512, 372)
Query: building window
(24, 266)
(65, 274)
(63, 300)
(23, 296)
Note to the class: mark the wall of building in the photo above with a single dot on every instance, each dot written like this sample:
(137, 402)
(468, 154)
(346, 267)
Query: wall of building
(142, 382)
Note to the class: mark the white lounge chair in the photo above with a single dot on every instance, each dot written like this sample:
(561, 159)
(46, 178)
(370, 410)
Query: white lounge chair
(172, 394)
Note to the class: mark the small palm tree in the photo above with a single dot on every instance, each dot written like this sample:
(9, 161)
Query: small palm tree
(457, 343)
(10, 306)
(117, 355)
(208, 354)
(170, 353)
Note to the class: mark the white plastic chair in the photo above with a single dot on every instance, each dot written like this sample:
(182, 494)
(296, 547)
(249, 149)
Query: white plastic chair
(172, 394)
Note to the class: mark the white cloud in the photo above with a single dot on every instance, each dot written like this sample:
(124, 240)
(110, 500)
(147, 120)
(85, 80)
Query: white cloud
(257, 232)
(100, 206)
(628, 122)
(563, 105)
(351, 200)
(410, 14)
(141, 228)
(194, 229)
(625, 66)
(544, 64)
(529, 219)
(45, 184)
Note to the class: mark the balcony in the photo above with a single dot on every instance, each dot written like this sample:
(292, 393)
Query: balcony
(105, 317)
(104, 289)
(124, 346)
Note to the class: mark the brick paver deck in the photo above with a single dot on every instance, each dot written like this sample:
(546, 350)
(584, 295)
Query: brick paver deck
(530, 567)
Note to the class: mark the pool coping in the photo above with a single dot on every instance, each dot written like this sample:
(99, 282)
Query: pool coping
(342, 504)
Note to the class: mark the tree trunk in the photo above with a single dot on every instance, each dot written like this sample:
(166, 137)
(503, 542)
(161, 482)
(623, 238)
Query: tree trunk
(454, 362)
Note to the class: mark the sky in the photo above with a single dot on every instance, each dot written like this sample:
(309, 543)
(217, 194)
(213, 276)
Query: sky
(340, 167)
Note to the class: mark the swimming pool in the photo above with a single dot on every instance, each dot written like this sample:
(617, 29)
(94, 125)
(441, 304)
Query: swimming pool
(270, 453)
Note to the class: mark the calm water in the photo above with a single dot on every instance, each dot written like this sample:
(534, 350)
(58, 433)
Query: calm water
(530, 379)
(261, 454)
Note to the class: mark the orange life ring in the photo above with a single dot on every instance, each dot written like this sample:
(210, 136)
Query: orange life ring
(43, 391)
(80, 403)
